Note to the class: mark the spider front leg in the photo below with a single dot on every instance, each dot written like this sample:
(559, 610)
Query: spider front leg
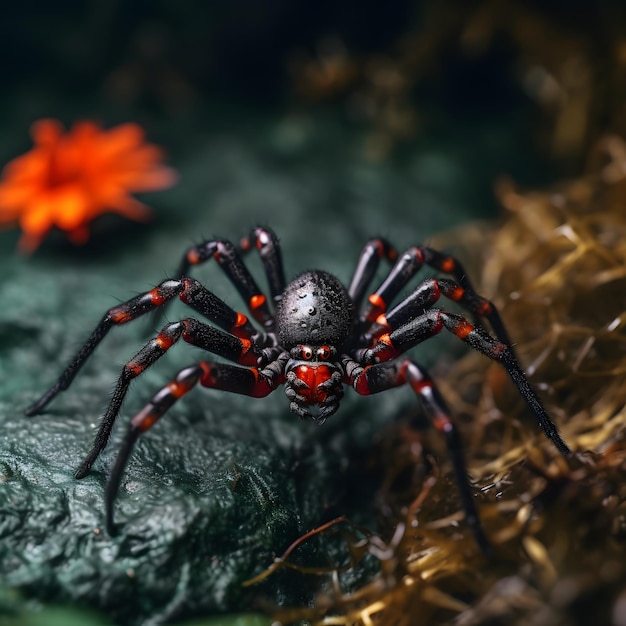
(369, 260)
(459, 290)
(266, 242)
(390, 345)
(229, 260)
(379, 377)
(236, 349)
(190, 291)
(425, 296)
(222, 376)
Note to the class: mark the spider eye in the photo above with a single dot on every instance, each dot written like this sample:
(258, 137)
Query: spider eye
(306, 353)
(323, 352)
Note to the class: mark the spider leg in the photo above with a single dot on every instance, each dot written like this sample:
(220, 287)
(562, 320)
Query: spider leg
(369, 260)
(266, 242)
(382, 376)
(228, 258)
(390, 345)
(246, 381)
(461, 291)
(237, 349)
(425, 296)
(189, 290)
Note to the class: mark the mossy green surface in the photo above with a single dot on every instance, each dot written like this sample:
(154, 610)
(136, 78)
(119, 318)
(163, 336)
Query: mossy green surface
(223, 483)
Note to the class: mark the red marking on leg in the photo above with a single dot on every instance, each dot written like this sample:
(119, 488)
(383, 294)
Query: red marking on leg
(381, 320)
(207, 379)
(498, 349)
(384, 348)
(193, 258)
(135, 368)
(261, 240)
(392, 255)
(164, 341)
(484, 308)
(442, 423)
(238, 329)
(419, 255)
(261, 385)
(156, 297)
(247, 356)
(361, 386)
(145, 419)
(120, 316)
(419, 385)
(178, 390)
(313, 376)
(184, 293)
(257, 301)
(463, 329)
(378, 305)
(448, 265)
(456, 293)
(244, 244)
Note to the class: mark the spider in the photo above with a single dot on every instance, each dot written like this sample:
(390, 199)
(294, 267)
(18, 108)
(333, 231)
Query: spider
(315, 336)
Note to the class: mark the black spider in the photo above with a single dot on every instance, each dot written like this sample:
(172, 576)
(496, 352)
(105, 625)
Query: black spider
(320, 337)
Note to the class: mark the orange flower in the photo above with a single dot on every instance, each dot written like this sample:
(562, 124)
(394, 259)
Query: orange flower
(69, 178)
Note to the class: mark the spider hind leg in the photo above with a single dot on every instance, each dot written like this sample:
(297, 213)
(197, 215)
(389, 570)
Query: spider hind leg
(382, 376)
(222, 376)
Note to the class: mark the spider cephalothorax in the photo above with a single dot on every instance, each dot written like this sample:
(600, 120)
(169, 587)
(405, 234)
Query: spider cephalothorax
(315, 337)
(314, 318)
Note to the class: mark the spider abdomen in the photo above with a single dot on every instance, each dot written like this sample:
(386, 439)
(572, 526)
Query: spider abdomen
(315, 309)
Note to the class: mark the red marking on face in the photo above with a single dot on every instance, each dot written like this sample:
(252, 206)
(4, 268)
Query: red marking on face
(313, 376)
(323, 353)
(244, 243)
(306, 352)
